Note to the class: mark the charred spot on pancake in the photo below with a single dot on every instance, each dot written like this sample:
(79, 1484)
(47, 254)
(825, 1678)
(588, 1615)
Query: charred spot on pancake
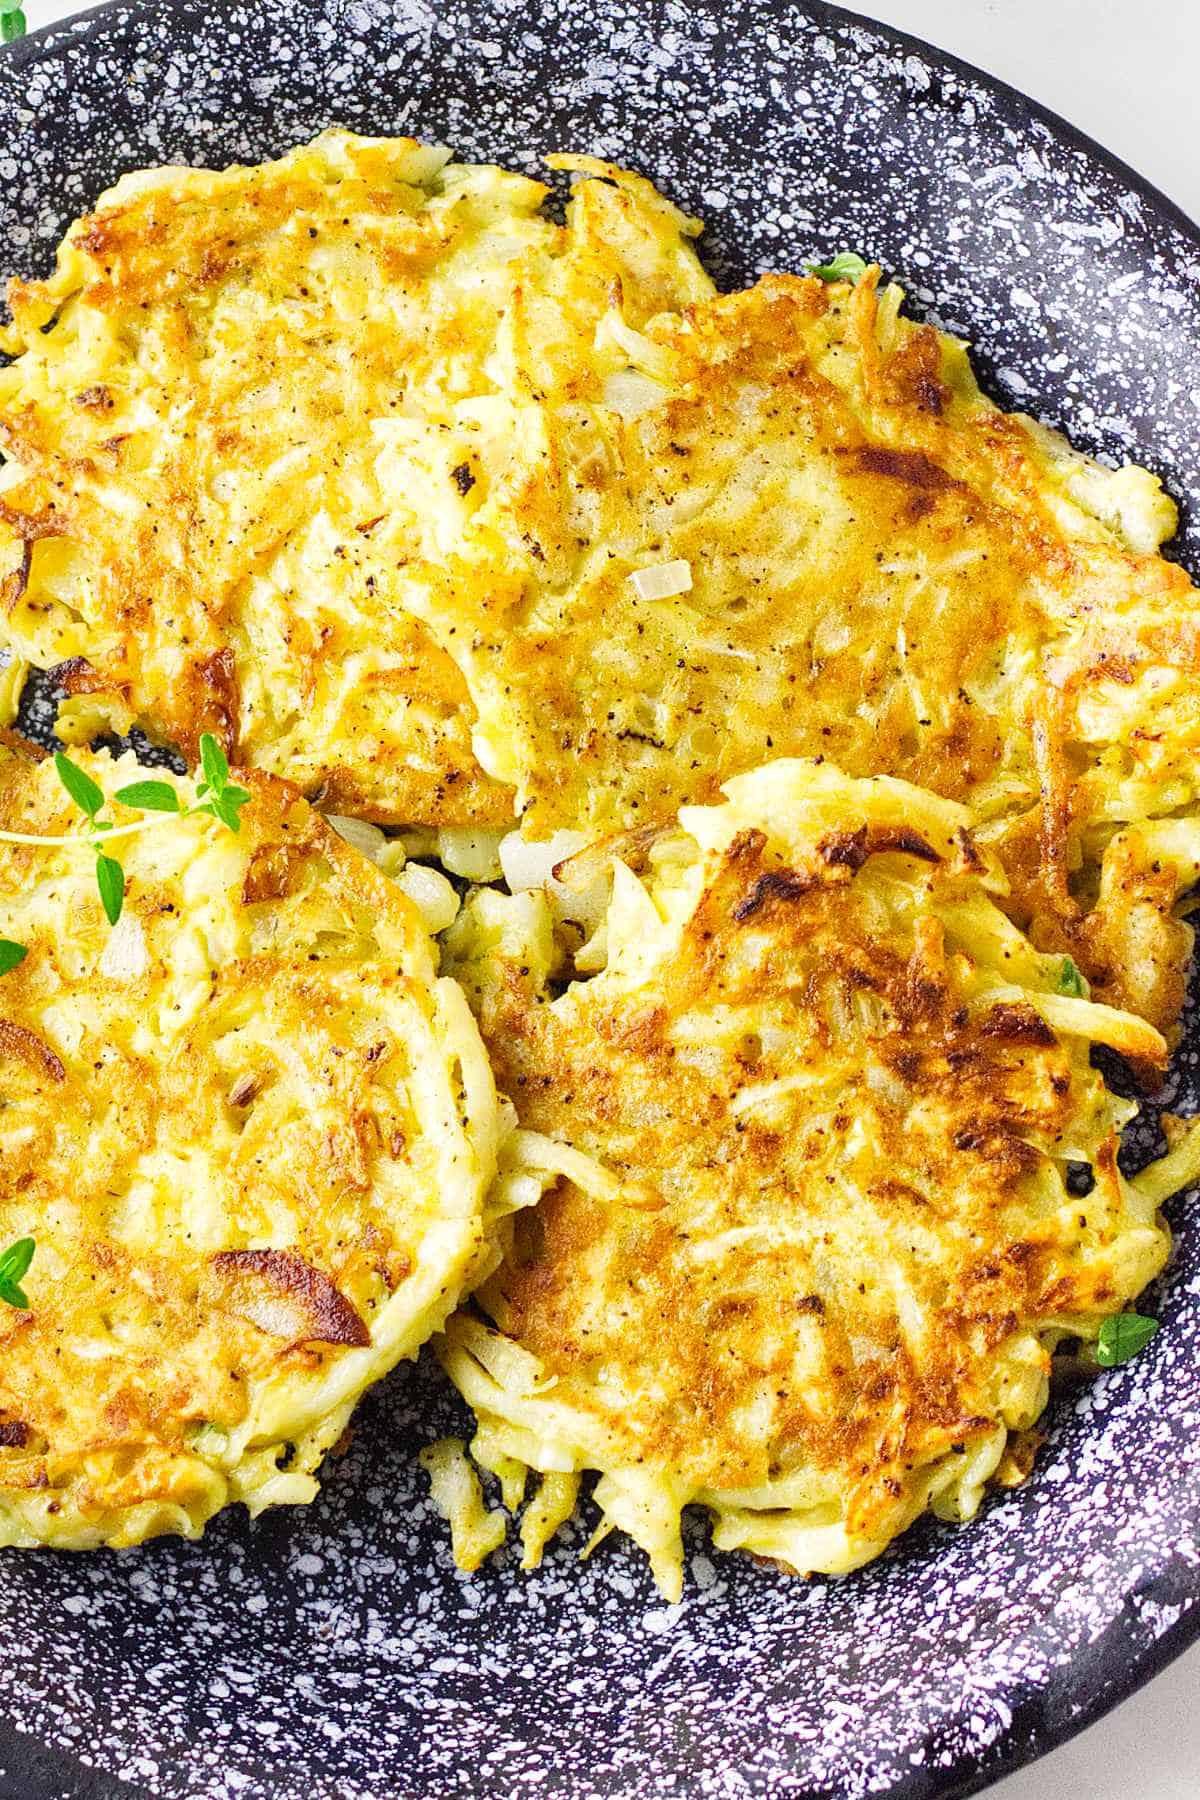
(286, 1296)
(913, 467)
(776, 884)
(1016, 1022)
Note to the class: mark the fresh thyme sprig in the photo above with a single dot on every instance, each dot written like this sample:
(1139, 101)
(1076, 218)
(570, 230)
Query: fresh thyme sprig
(14, 1263)
(216, 795)
(847, 265)
(12, 21)
(110, 876)
(1122, 1336)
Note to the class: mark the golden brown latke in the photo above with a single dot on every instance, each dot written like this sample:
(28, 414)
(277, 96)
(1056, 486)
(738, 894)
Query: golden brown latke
(251, 1131)
(808, 1242)
(883, 569)
(204, 520)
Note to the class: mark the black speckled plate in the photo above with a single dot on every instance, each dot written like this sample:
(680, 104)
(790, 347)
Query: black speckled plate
(336, 1652)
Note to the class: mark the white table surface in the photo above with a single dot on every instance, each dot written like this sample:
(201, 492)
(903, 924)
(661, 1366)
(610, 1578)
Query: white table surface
(1125, 71)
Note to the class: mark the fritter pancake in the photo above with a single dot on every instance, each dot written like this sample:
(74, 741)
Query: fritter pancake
(808, 1243)
(877, 566)
(203, 418)
(251, 1131)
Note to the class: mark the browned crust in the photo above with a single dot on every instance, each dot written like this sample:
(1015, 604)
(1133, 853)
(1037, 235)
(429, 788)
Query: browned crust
(852, 848)
(328, 1317)
(18, 1042)
(273, 871)
(841, 854)
(414, 796)
(1016, 1022)
(775, 884)
(28, 526)
(97, 398)
(218, 706)
(77, 676)
(15, 583)
(968, 851)
(912, 467)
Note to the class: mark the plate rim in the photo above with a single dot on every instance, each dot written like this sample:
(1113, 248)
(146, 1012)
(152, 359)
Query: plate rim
(1144, 1666)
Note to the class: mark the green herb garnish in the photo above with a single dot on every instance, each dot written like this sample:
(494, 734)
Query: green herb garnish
(10, 955)
(1070, 981)
(83, 790)
(12, 21)
(89, 798)
(149, 796)
(110, 879)
(13, 1264)
(847, 265)
(1122, 1337)
(217, 794)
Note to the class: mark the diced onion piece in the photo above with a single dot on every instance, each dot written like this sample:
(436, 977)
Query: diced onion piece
(391, 858)
(643, 352)
(663, 580)
(631, 393)
(432, 895)
(473, 854)
(125, 957)
(388, 854)
(527, 864)
(359, 835)
(592, 956)
(586, 907)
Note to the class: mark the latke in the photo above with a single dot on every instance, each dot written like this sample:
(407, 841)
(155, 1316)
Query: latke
(809, 1240)
(787, 522)
(205, 520)
(251, 1132)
